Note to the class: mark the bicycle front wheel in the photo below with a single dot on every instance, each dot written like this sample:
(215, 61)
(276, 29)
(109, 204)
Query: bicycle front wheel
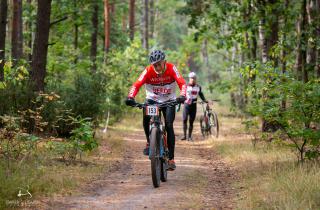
(164, 168)
(155, 156)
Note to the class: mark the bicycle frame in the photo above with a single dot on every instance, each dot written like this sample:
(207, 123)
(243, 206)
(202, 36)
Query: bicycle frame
(155, 122)
(158, 149)
(205, 111)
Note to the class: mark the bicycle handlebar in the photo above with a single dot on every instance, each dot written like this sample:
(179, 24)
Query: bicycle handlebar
(215, 100)
(160, 105)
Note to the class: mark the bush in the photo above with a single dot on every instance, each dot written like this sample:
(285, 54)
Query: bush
(301, 118)
(14, 91)
(88, 97)
(289, 105)
(15, 145)
(82, 140)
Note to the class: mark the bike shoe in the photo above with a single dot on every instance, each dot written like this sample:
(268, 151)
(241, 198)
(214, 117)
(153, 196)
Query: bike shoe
(146, 150)
(183, 138)
(171, 165)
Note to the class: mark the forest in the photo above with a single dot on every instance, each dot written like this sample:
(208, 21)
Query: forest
(66, 67)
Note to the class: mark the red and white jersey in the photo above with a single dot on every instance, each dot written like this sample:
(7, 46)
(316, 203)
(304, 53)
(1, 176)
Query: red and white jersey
(192, 93)
(160, 87)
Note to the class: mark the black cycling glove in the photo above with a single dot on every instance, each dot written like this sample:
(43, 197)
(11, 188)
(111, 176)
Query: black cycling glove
(181, 99)
(130, 101)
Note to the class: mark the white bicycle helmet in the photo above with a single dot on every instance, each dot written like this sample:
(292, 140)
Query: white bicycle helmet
(192, 75)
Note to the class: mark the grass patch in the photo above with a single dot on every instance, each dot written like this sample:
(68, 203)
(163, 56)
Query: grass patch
(284, 186)
(245, 153)
(132, 123)
(44, 175)
(271, 178)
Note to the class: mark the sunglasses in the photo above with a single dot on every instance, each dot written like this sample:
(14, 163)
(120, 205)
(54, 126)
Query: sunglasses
(159, 64)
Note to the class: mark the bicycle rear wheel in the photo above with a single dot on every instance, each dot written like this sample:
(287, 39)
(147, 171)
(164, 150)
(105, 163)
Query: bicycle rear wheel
(214, 124)
(155, 156)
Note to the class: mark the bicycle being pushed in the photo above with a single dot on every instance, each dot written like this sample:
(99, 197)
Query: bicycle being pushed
(158, 147)
(209, 123)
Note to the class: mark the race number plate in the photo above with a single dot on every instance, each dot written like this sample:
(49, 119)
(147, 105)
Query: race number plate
(152, 110)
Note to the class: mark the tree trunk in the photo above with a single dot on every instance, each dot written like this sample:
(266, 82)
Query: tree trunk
(204, 51)
(313, 15)
(283, 53)
(274, 37)
(267, 41)
(263, 42)
(3, 24)
(112, 8)
(124, 23)
(29, 30)
(17, 36)
(131, 19)
(192, 64)
(262, 33)
(141, 12)
(106, 26)
(152, 18)
(246, 20)
(318, 37)
(264, 55)
(240, 101)
(283, 67)
(253, 50)
(40, 46)
(254, 45)
(232, 68)
(76, 30)
(94, 36)
(301, 47)
(146, 25)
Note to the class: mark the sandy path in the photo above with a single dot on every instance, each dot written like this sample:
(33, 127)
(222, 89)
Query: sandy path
(201, 181)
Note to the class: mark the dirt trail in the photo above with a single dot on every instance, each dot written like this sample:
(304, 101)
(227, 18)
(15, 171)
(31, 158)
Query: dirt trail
(201, 181)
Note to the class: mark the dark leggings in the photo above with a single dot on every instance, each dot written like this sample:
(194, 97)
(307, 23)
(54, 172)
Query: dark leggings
(189, 110)
(169, 115)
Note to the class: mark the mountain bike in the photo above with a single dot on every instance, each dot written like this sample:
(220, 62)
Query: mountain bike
(158, 147)
(209, 123)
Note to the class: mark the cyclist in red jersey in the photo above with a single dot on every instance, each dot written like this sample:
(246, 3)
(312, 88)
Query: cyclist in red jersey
(160, 80)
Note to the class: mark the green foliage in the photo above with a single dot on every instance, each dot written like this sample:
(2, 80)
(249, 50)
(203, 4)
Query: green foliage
(14, 92)
(88, 96)
(259, 88)
(299, 119)
(123, 68)
(81, 140)
(15, 144)
(83, 137)
(36, 112)
(173, 26)
(252, 128)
